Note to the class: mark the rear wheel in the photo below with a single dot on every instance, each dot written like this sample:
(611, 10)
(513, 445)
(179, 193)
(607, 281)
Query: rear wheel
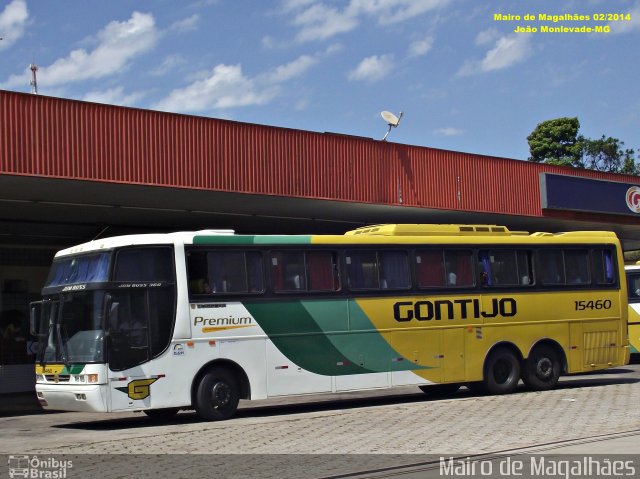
(217, 395)
(163, 414)
(502, 372)
(440, 390)
(542, 368)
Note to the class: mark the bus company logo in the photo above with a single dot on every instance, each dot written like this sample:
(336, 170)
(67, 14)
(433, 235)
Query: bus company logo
(210, 325)
(633, 199)
(458, 308)
(138, 388)
(178, 350)
(36, 468)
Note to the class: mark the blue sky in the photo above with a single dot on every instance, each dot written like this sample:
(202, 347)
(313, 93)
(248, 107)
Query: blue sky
(464, 81)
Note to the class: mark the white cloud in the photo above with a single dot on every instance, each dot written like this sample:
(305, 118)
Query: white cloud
(289, 5)
(268, 42)
(420, 47)
(372, 69)
(186, 24)
(118, 44)
(395, 11)
(225, 87)
(448, 131)
(113, 96)
(627, 26)
(507, 51)
(487, 36)
(13, 20)
(171, 62)
(290, 70)
(319, 21)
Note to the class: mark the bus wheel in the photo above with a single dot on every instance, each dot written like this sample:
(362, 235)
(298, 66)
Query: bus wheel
(163, 414)
(502, 372)
(542, 368)
(217, 396)
(440, 390)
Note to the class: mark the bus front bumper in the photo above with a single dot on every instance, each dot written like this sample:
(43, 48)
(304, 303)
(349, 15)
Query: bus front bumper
(71, 397)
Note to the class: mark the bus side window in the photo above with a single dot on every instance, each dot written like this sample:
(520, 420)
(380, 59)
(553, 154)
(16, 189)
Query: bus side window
(394, 270)
(362, 270)
(430, 268)
(577, 266)
(552, 267)
(525, 270)
(197, 274)
(505, 267)
(633, 285)
(255, 278)
(458, 267)
(322, 271)
(604, 266)
(288, 271)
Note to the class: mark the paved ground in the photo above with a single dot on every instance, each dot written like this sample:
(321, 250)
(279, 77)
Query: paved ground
(574, 415)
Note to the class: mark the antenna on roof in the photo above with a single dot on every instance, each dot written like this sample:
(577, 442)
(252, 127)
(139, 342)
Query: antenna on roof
(392, 120)
(34, 81)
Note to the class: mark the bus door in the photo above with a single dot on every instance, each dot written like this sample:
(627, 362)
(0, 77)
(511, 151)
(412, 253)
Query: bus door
(128, 349)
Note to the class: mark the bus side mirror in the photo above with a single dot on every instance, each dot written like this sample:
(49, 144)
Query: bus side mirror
(35, 317)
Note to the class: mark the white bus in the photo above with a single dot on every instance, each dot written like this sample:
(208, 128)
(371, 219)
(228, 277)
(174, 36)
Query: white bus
(202, 319)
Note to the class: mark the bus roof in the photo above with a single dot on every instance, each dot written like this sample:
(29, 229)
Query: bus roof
(378, 234)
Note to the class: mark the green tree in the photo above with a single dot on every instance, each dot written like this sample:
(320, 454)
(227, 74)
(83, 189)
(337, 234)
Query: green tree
(607, 154)
(556, 142)
(629, 165)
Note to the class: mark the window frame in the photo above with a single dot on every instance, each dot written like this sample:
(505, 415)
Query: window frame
(444, 249)
(348, 252)
(530, 253)
(336, 276)
(214, 294)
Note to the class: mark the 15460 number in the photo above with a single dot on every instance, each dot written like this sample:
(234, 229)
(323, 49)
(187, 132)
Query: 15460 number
(599, 304)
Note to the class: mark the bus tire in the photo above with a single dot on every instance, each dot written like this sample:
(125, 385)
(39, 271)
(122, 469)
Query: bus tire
(163, 414)
(542, 368)
(502, 372)
(440, 390)
(217, 395)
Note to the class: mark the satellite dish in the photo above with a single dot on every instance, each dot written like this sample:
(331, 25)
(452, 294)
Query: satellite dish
(392, 120)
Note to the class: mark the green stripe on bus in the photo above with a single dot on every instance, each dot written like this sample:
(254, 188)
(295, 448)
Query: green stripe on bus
(363, 344)
(296, 335)
(250, 239)
(72, 369)
(315, 335)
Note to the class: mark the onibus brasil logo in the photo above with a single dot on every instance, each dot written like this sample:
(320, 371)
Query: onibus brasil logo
(38, 468)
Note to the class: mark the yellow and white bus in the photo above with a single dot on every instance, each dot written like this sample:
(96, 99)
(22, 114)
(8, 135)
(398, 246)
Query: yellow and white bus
(203, 319)
(633, 285)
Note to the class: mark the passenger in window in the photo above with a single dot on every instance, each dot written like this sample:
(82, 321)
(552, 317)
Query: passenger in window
(293, 282)
(452, 278)
(199, 286)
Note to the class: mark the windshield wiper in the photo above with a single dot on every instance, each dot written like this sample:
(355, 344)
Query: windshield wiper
(42, 346)
(63, 344)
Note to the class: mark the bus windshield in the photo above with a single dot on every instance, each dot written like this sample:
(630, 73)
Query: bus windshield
(91, 268)
(73, 329)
